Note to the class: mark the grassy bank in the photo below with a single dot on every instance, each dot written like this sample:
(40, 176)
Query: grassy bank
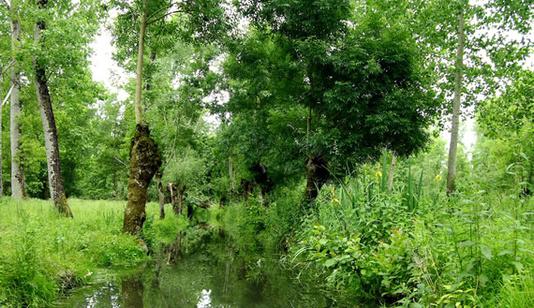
(44, 255)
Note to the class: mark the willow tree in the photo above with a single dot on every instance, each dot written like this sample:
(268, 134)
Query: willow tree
(144, 156)
(337, 83)
(172, 22)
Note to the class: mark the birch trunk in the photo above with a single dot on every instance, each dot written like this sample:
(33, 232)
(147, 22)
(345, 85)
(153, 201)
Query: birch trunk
(55, 180)
(458, 85)
(17, 174)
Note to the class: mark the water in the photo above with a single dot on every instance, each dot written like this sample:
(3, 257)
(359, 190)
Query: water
(198, 282)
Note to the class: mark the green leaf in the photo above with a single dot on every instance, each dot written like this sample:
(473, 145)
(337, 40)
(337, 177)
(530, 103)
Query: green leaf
(486, 252)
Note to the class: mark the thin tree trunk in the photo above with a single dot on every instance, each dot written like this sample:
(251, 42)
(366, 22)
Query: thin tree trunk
(55, 180)
(145, 160)
(161, 196)
(180, 198)
(1, 164)
(17, 174)
(140, 66)
(458, 87)
(391, 172)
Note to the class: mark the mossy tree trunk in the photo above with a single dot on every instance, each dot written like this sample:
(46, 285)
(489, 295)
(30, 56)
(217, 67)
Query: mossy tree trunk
(55, 180)
(144, 163)
(145, 160)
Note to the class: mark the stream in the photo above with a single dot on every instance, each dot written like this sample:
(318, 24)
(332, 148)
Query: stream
(197, 281)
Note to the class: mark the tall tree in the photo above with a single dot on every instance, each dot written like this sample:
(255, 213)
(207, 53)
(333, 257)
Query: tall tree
(144, 156)
(348, 82)
(187, 20)
(489, 43)
(458, 89)
(55, 179)
(17, 173)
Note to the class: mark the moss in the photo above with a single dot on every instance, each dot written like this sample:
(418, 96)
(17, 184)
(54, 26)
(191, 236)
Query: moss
(145, 161)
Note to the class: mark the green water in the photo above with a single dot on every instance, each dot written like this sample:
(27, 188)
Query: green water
(201, 282)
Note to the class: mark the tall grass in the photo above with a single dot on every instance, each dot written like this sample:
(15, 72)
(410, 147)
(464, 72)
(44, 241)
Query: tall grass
(414, 246)
(44, 255)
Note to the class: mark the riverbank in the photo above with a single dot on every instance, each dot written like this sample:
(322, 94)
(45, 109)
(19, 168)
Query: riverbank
(44, 256)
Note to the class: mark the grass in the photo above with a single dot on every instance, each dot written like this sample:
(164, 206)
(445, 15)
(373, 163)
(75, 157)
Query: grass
(44, 255)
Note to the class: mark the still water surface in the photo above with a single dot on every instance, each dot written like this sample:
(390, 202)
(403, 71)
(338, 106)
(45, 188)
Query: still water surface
(197, 282)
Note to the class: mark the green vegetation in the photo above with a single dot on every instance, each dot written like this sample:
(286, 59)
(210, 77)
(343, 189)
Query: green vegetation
(44, 255)
(305, 136)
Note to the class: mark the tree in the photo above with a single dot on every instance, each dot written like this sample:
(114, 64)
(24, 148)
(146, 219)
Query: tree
(458, 86)
(55, 179)
(144, 156)
(17, 174)
(348, 84)
(167, 19)
(490, 41)
(507, 120)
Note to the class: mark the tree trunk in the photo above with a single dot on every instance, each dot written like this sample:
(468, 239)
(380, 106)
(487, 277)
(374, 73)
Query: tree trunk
(144, 163)
(55, 180)
(180, 198)
(391, 172)
(172, 191)
(458, 87)
(161, 196)
(140, 66)
(317, 176)
(1, 108)
(17, 174)
(145, 160)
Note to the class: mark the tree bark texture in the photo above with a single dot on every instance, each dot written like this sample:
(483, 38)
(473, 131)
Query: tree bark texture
(458, 88)
(55, 179)
(145, 161)
(17, 173)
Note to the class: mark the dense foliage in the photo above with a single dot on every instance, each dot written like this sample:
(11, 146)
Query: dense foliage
(300, 131)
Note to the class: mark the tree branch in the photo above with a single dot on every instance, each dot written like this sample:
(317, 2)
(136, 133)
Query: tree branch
(163, 16)
(6, 4)
(4, 69)
(7, 95)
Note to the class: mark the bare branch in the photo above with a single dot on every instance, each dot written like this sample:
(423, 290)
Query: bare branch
(4, 69)
(8, 95)
(163, 16)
